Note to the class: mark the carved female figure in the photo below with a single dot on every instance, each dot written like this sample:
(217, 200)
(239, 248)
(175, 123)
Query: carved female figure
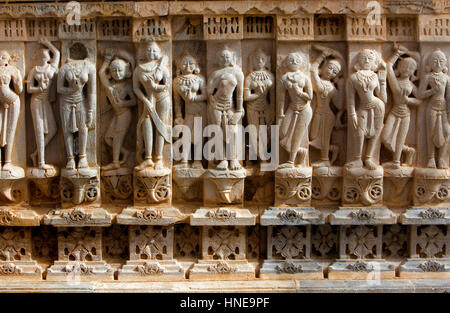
(435, 87)
(330, 90)
(294, 122)
(77, 110)
(259, 94)
(153, 76)
(189, 87)
(366, 122)
(397, 123)
(115, 75)
(222, 109)
(40, 86)
(10, 108)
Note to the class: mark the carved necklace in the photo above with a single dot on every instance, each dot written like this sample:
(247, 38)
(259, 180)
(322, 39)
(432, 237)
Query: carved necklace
(439, 78)
(188, 79)
(365, 77)
(327, 87)
(259, 76)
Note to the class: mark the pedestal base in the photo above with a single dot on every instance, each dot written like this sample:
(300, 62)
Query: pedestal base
(80, 271)
(20, 270)
(425, 269)
(363, 216)
(361, 270)
(290, 269)
(222, 270)
(168, 270)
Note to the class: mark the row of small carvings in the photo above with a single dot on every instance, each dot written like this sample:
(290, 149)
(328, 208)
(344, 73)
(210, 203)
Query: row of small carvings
(226, 217)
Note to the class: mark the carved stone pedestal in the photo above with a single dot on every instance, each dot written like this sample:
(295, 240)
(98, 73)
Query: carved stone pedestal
(293, 186)
(79, 256)
(117, 185)
(80, 186)
(13, 187)
(397, 186)
(327, 185)
(152, 186)
(151, 255)
(15, 255)
(362, 187)
(223, 187)
(43, 185)
(189, 183)
(431, 186)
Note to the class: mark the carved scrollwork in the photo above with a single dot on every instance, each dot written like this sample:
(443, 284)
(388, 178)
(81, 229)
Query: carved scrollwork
(434, 191)
(222, 267)
(290, 215)
(7, 217)
(431, 213)
(77, 216)
(149, 214)
(289, 242)
(9, 269)
(152, 189)
(118, 187)
(79, 268)
(287, 188)
(289, 267)
(432, 266)
(222, 214)
(360, 266)
(363, 215)
(367, 191)
(149, 268)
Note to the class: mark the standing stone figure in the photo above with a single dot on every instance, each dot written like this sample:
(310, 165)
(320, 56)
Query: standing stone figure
(260, 96)
(435, 87)
(329, 88)
(77, 87)
(10, 106)
(115, 75)
(223, 109)
(152, 74)
(402, 87)
(41, 86)
(366, 122)
(294, 122)
(189, 87)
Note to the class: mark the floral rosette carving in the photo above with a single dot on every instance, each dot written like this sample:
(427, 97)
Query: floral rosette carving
(149, 214)
(9, 269)
(360, 266)
(431, 213)
(153, 189)
(289, 268)
(221, 268)
(149, 268)
(7, 217)
(289, 242)
(286, 189)
(432, 266)
(77, 216)
(290, 215)
(222, 214)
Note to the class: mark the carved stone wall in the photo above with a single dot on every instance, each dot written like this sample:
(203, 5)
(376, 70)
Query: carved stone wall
(114, 114)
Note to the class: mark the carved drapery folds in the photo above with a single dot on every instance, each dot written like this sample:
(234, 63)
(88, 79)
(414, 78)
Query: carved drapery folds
(178, 140)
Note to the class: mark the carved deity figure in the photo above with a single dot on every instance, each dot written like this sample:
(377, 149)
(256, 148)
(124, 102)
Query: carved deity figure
(152, 74)
(366, 121)
(115, 75)
(223, 109)
(41, 86)
(329, 88)
(435, 88)
(189, 87)
(259, 95)
(11, 85)
(402, 87)
(77, 87)
(294, 122)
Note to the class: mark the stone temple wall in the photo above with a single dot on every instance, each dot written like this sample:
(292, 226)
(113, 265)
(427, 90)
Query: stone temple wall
(100, 181)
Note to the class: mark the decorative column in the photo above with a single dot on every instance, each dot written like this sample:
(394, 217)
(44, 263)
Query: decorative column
(151, 220)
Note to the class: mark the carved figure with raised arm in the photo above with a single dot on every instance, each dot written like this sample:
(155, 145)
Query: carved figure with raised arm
(405, 94)
(329, 87)
(115, 75)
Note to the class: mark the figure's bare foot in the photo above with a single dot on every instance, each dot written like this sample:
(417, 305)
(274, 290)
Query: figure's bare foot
(44, 166)
(125, 156)
(355, 163)
(235, 165)
(409, 155)
(370, 164)
(159, 165)
(442, 164)
(393, 164)
(431, 163)
(114, 165)
(197, 164)
(70, 164)
(288, 164)
(83, 163)
(322, 163)
(144, 164)
(223, 165)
